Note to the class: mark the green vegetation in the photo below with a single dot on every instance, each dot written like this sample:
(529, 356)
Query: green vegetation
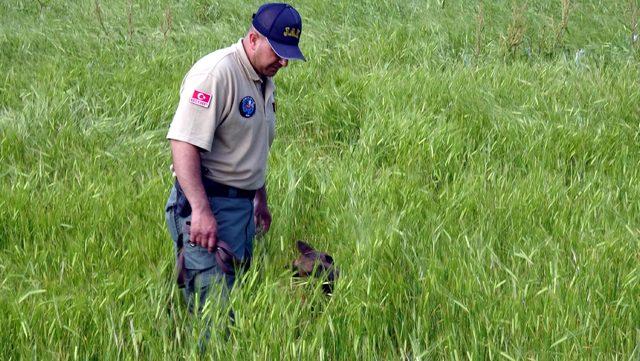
(473, 168)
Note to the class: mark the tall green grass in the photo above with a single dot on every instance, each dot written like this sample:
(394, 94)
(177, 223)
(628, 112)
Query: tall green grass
(480, 197)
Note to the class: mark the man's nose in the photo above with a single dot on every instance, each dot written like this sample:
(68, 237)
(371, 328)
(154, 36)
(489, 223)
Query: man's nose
(283, 62)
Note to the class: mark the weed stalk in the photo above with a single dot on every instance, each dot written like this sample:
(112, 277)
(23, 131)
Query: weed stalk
(633, 11)
(130, 19)
(98, 12)
(168, 22)
(517, 28)
(42, 5)
(564, 24)
(479, 29)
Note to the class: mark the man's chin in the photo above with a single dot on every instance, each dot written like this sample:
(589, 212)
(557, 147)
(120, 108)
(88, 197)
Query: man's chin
(272, 72)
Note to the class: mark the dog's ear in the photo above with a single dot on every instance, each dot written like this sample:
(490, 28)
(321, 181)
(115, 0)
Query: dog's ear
(303, 247)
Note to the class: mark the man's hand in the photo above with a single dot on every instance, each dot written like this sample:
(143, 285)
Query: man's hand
(261, 214)
(262, 217)
(204, 230)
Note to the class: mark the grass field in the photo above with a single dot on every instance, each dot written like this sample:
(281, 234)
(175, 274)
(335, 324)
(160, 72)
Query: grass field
(473, 168)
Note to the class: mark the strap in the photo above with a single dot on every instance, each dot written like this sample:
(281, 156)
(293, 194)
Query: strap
(180, 268)
(227, 261)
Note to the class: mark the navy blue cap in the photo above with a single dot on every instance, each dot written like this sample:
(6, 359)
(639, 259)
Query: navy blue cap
(281, 24)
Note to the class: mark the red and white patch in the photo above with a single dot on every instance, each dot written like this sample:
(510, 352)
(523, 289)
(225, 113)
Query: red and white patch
(200, 98)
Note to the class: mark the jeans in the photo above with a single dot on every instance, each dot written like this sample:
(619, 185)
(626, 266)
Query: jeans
(204, 279)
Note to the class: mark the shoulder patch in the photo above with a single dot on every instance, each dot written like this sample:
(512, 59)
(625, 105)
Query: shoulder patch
(200, 98)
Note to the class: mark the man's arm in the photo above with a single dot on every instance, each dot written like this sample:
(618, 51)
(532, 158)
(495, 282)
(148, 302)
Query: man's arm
(262, 216)
(186, 164)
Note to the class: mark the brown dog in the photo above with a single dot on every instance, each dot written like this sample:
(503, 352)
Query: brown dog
(317, 264)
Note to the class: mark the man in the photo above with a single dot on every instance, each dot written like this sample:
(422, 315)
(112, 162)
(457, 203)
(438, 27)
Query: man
(220, 138)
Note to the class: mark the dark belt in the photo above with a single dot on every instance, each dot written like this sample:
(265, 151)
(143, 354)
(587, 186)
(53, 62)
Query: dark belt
(215, 189)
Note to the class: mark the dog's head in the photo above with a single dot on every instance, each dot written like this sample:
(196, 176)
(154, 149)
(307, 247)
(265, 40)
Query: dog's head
(317, 264)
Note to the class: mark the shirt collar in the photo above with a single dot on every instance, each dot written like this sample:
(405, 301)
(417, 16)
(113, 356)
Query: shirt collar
(246, 64)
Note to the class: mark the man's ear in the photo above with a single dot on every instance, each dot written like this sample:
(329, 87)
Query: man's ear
(253, 40)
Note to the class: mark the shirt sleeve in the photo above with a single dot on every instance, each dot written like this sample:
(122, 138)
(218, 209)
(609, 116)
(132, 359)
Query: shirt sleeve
(200, 110)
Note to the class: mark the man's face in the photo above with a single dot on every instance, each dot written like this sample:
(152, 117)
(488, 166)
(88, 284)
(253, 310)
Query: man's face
(265, 61)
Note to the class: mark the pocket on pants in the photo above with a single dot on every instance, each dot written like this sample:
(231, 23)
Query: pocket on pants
(173, 222)
(196, 257)
(172, 200)
(235, 219)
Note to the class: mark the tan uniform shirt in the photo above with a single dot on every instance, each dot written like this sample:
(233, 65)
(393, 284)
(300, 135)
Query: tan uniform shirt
(222, 111)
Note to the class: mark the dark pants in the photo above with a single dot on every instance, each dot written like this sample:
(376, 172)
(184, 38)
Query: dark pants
(204, 279)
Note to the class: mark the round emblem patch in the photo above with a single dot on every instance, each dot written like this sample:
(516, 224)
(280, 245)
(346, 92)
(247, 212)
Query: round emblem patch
(247, 107)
